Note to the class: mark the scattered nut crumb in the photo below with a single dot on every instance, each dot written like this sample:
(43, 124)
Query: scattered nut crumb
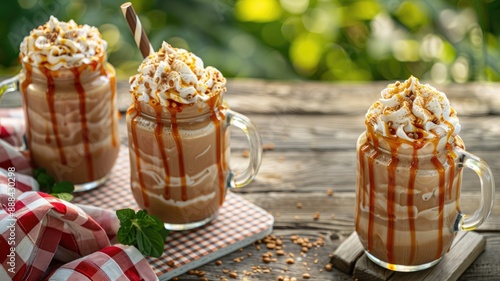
(316, 215)
(270, 245)
(298, 205)
(306, 276)
(268, 146)
(328, 267)
(218, 262)
(290, 261)
(245, 153)
(329, 192)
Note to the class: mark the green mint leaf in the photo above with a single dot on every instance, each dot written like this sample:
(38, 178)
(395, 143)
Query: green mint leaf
(142, 230)
(45, 181)
(150, 242)
(38, 171)
(64, 196)
(160, 227)
(63, 187)
(127, 233)
(125, 215)
(144, 219)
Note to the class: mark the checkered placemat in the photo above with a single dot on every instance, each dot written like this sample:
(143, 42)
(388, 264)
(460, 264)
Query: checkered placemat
(238, 224)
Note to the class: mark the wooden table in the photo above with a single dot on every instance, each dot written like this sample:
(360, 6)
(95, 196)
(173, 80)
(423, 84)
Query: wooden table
(309, 130)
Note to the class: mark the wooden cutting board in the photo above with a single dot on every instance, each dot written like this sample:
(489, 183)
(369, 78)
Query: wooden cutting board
(350, 258)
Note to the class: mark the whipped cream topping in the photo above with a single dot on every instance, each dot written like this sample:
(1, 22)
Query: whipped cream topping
(177, 75)
(410, 110)
(57, 44)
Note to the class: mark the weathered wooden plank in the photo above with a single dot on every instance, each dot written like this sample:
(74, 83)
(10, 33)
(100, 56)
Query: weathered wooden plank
(340, 133)
(487, 265)
(336, 212)
(345, 256)
(318, 170)
(278, 97)
(260, 96)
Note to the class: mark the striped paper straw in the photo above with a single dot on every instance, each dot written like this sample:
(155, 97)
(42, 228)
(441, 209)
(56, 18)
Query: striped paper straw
(141, 39)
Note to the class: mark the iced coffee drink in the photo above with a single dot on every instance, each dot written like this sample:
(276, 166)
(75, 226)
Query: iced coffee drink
(409, 173)
(179, 141)
(69, 98)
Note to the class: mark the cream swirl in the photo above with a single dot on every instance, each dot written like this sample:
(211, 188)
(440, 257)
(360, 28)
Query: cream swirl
(410, 110)
(177, 75)
(57, 44)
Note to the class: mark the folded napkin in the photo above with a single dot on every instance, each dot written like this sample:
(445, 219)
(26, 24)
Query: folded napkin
(45, 238)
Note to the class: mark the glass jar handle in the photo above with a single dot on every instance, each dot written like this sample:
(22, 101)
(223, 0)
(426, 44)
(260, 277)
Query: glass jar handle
(9, 85)
(238, 120)
(470, 222)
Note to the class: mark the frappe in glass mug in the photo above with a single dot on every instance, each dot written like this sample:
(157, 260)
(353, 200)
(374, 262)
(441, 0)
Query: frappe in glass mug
(409, 176)
(69, 100)
(179, 139)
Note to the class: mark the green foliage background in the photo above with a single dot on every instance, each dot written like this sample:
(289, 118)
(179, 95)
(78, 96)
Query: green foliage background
(332, 40)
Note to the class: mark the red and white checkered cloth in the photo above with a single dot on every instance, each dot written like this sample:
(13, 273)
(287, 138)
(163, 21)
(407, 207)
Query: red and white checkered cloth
(39, 232)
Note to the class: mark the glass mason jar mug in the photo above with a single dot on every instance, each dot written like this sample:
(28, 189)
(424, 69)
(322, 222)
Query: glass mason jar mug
(179, 157)
(407, 198)
(71, 121)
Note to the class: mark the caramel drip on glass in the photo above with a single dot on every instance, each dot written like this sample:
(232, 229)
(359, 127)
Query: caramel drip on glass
(24, 91)
(410, 203)
(371, 174)
(391, 203)
(112, 83)
(362, 184)
(50, 92)
(133, 125)
(83, 122)
(161, 148)
(440, 169)
(219, 146)
(178, 143)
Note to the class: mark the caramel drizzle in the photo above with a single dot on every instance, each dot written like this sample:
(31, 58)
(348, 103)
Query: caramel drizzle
(391, 203)
(112, 82)
(50, 92)
(371, 174)
(361, 198)
(220, 146)
(161, 148)
(83, 121)
(180, 154)
(133, 125)
(410, 203)
(24, 92)
(440, 169)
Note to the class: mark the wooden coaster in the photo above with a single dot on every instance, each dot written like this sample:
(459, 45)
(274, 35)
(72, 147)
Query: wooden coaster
(351, 259)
